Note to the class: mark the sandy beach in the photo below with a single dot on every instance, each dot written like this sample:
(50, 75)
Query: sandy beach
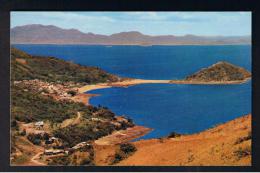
(84, 97)
(124, 83)
(131, 82)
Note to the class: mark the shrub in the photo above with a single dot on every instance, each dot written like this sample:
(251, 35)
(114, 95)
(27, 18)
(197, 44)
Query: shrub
(245, 138)
(87, 162)
(36, 138)
(127, 148)
(173, 135)
(118, 158)
(23, 133)
(60, 161)
(72, 92)
(243, 152)
(21, 159)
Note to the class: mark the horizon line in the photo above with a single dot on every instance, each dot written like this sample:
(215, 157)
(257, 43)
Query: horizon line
(132, 31)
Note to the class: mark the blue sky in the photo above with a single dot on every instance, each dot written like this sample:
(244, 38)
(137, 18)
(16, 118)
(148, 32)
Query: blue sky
(151, 23)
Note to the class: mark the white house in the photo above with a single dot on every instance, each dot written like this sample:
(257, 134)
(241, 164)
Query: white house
(39, 124)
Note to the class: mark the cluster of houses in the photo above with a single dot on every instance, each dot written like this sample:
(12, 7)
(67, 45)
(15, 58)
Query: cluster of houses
(57, 91)
(53, 151)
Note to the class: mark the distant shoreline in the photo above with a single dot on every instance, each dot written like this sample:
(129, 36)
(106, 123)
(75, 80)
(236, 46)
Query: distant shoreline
(82, 44)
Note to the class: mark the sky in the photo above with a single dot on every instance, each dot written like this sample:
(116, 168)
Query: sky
(150, 23)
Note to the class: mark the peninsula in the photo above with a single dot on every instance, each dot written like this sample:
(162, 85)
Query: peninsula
(221, 73)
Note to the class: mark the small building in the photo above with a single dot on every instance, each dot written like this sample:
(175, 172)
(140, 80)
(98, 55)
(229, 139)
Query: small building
(53, 139)
(53, 151)
(39, 124)
(95, 119)
(80, 145)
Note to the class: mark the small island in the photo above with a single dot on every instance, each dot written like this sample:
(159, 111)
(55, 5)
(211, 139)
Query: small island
(220, 72)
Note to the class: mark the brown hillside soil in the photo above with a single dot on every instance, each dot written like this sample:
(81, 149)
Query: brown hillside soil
(226, 144)
(26, 153)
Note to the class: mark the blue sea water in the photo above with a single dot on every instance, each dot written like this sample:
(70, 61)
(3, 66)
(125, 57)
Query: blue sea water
(163, 107)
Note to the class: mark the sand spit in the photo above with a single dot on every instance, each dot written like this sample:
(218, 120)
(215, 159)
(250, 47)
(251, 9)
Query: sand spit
(84, 97)
(125, 83)
(130, 82)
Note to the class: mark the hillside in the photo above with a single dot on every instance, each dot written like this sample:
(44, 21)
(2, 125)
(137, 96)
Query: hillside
(43, 89)
(221, 71)
(226, 144)
(49, 34)
(50, 69)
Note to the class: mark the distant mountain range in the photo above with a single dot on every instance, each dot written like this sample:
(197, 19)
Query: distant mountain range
(49, 34)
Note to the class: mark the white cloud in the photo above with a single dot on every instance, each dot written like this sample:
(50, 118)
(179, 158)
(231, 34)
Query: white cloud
(155, 23)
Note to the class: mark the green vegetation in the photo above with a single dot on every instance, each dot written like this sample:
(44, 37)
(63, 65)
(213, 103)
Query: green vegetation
(37, 138)
(28, 106)
(72, 93)
(221, 71)
(85, 131)
(63, 161)
(51, 69)
(20, 159)
(125, 150)
(85, 156)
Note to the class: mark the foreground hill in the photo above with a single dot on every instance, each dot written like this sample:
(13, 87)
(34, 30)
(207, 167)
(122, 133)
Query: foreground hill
(43, 90)
(221, 71)
(226, 144)
(49, 34)
(50, 69)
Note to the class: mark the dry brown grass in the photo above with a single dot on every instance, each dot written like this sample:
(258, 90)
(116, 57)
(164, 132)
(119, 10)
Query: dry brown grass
(213, 147)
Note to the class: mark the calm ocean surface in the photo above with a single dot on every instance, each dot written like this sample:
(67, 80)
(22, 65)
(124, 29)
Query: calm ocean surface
(163, 107)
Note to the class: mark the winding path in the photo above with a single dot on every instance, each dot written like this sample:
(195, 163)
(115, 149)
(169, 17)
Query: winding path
(35, 161)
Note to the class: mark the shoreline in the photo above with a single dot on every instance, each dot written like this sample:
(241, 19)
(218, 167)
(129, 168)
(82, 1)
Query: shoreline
(131, 82)
(121, 136)
(127, 135)
(84, 97)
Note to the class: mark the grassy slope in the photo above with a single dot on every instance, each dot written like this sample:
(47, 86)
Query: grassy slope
(50, 69)
(226, 144)
(28, 105)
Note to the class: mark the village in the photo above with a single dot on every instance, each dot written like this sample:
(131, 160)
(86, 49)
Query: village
(57, 90)
(53, 145)
(49, 146)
